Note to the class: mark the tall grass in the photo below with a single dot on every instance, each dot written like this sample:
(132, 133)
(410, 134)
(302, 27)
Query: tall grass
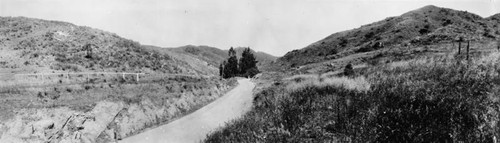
(426, 100)
(357, 83)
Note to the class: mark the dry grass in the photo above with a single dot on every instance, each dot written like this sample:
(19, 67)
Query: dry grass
(300, 81)
(81, 94)
(430, 99)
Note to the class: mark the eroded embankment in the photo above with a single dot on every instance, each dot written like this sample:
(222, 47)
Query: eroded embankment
(108, 120)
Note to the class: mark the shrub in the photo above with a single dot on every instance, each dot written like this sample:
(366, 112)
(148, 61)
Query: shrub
(251, 72)
(348, 70)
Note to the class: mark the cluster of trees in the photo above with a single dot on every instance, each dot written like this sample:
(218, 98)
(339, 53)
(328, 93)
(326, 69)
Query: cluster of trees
(246, 67)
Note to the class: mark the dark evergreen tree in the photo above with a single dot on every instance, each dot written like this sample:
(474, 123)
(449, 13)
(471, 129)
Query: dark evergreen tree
(231, 65)
(248, 63)
(225, 72)
(232, 52)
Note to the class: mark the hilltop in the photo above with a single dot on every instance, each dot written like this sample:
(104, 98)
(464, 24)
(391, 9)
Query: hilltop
(429, 25)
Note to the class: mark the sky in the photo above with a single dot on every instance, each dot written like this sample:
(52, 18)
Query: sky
(271, 26)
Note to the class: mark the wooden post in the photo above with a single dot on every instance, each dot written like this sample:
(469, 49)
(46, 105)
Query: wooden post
(459, 46)
(468, 42)
(123, 76)
(137, 74)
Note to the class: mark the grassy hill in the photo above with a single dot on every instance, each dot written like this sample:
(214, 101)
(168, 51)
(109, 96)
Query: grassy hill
(215, 56)
(212, 55)
(50, 107)
(409, 84)
(32, 45)
(262, 58)
(429, 25)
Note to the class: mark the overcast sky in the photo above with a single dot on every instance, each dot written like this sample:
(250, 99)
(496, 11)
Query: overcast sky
(272, 26)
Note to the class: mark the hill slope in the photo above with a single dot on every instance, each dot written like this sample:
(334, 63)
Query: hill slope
(424, 26)
(215, 56)
(48, 107)
(32, 45)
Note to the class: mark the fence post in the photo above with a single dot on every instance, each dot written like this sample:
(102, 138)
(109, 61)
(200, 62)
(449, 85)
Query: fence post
(137, 74)
(123, 76)
(468, 42)
(459, 46)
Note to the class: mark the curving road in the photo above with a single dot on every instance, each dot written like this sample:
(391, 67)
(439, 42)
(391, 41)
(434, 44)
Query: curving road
(195, 126)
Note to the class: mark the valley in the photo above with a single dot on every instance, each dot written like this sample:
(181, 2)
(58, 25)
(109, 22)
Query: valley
(427, 75)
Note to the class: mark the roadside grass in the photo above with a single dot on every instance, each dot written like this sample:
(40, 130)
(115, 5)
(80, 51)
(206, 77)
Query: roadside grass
(440, 99)
(80, 94)
(358, 83)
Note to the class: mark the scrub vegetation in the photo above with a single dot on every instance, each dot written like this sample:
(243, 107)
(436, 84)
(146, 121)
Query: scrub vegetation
(429, 99)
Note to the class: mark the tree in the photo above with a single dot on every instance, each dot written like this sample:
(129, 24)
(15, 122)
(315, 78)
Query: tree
(231, 52)
(230, 67)
(247, 63)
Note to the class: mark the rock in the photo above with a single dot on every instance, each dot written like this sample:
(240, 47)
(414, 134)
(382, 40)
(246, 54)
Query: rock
(43, 124)
(103, 113)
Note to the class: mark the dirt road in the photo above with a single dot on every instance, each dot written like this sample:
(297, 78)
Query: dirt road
(194, 127)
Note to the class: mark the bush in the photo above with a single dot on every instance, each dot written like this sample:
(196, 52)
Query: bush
(348, 70)
(65, 67)
(251, 72)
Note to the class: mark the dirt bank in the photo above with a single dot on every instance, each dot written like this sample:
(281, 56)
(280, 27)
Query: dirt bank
(116, 117)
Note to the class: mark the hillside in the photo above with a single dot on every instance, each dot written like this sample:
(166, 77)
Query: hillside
(30, 45)
(262, 57)
(58, 80)
(215, 56)
(429, 25)
(408, 82)
(212, 55)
